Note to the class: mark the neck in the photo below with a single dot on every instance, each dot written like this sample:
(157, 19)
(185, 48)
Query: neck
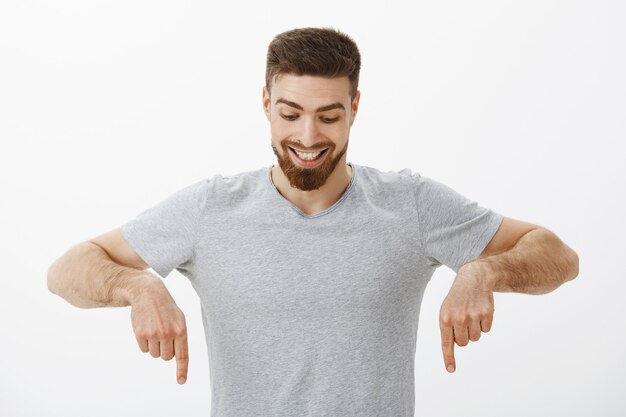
(314, 201)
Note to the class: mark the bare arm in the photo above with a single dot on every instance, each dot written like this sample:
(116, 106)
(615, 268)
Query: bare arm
(538, 264)
(87, 277)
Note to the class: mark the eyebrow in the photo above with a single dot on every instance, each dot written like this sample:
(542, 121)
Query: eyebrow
(336, 105)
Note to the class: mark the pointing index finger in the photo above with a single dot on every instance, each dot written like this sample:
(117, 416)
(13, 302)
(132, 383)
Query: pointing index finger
(182, 358)
(447, 346)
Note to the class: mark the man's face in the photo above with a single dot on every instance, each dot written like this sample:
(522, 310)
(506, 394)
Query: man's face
(310, 114)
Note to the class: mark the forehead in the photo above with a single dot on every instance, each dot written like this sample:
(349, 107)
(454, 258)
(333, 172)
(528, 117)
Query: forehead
(311, 91)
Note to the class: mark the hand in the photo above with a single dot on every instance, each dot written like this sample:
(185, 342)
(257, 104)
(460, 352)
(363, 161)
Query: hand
(466, 311)
(160, 328)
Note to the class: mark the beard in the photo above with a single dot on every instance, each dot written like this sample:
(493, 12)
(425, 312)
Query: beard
(307, 179)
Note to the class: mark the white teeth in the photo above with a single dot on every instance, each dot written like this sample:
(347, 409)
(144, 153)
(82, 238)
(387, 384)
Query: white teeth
(308, 155)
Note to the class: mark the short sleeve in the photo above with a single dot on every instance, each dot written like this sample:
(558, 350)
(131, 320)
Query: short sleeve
(454, 229)
(165, 235)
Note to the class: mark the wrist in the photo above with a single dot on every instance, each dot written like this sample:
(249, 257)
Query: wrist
(480, 270)
(129, 285)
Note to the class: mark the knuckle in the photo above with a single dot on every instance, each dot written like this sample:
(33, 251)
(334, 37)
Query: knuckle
(172, 331)
(461, 319)
(167, 333)
(476, 318)
(178, 331)
(450, 319)
(162, 333)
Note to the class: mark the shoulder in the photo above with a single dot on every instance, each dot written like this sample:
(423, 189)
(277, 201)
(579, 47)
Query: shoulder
(407, 184)
(392, 191)
(382, 175)
(393, 180)
(229, 189)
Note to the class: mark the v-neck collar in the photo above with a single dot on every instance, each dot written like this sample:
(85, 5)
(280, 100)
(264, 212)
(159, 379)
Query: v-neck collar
(323, 212)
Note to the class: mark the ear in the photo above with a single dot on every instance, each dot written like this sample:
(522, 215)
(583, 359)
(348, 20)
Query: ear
(355, 106)
(266, 104)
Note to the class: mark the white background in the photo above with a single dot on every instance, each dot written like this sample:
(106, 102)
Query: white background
(107, 107)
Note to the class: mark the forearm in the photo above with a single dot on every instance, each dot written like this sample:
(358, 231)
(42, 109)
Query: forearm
(539, 263)
(86, 277)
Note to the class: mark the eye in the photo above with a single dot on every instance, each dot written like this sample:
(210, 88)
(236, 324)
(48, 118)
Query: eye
(291, 117)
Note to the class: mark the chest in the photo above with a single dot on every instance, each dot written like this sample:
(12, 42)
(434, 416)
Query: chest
(266, 268)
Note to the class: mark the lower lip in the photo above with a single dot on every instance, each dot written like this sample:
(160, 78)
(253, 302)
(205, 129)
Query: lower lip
(309, 164)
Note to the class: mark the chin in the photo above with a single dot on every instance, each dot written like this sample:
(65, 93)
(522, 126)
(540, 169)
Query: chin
(308, 179)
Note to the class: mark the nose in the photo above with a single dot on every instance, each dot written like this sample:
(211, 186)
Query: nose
(310, 133)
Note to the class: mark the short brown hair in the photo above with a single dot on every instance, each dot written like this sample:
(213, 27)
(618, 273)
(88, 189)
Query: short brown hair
(325, 52)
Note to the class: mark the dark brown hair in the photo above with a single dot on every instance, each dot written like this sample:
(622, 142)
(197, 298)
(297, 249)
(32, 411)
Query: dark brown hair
(325, 52)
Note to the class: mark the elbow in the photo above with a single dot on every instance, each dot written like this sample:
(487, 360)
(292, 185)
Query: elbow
(569, 266)
(55, 276)
(51, 279)
(573, 263)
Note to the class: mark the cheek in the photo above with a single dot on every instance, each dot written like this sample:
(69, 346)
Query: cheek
(277, 135)
(280, 130)
(339, 131)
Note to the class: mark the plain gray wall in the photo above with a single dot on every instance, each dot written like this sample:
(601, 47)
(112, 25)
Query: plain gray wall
(107, 107)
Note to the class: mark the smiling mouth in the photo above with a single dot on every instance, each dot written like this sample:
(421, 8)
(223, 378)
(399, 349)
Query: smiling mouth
(308, 156)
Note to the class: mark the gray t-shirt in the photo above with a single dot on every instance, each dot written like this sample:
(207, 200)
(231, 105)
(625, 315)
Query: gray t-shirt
(311, 315)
